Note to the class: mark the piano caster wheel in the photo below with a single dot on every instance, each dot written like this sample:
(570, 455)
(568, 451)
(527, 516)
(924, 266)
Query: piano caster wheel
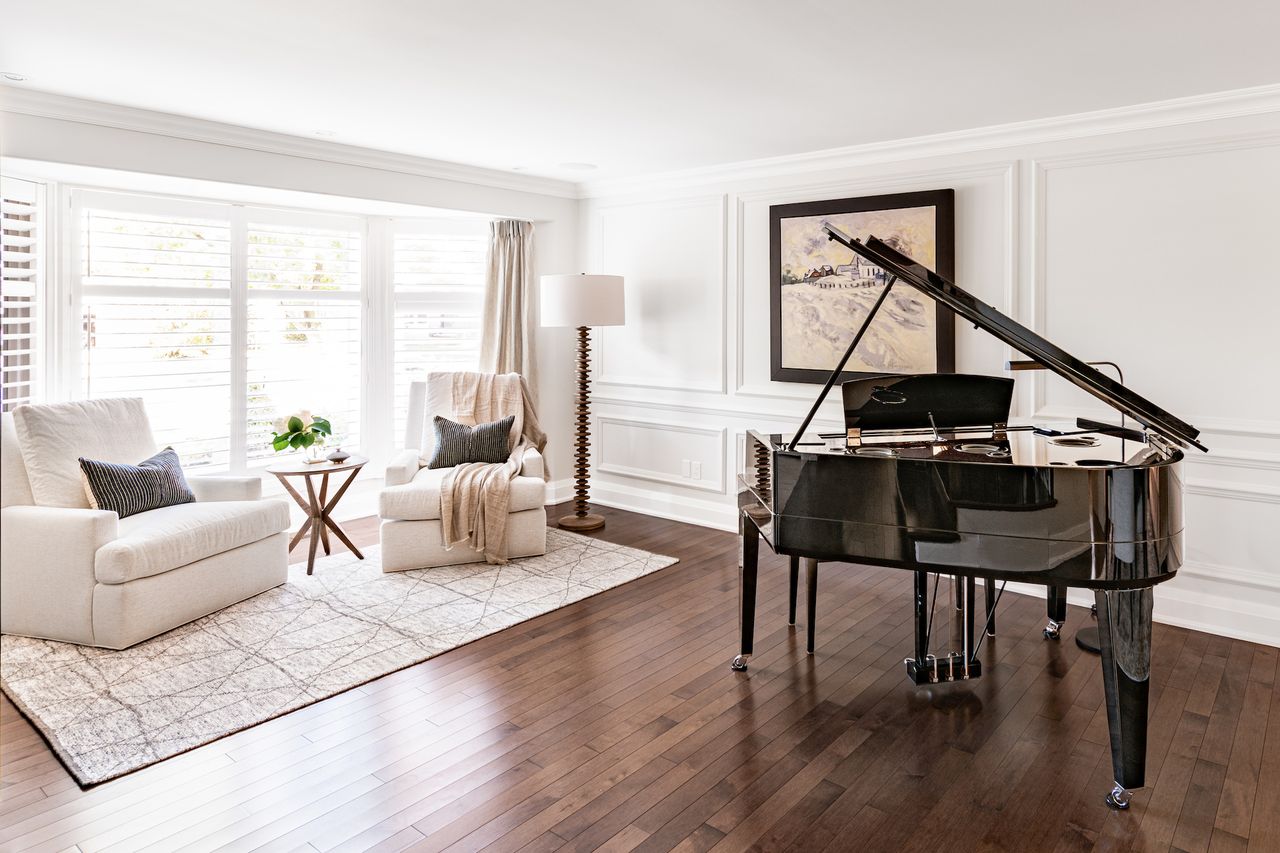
(1118, 798)
(739, 663)
(1053, 630)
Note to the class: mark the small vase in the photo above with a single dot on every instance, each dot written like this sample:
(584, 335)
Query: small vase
(315, 454)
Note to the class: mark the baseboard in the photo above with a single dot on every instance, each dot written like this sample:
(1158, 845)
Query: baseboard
(1183, 602)
(714, 514)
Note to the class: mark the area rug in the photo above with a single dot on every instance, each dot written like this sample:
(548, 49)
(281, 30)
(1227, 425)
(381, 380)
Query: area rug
(106, 713)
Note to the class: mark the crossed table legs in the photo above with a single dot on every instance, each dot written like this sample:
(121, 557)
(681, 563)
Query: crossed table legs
(318, 508)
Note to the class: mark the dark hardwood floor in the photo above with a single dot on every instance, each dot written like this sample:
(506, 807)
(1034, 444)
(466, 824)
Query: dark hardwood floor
(616, 724)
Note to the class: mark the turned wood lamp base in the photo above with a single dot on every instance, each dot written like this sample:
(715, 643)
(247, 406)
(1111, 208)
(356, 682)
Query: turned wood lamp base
(582, 520)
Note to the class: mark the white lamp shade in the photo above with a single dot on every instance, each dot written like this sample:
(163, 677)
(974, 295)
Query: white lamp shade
(582, 300)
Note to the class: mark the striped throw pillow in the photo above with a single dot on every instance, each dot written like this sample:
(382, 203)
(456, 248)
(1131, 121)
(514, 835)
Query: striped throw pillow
(130, 489)
(457, 443)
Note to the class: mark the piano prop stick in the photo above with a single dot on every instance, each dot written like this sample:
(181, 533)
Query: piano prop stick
(930, 477)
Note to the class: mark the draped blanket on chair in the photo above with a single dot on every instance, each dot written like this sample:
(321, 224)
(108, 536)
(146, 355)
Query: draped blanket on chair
(474, 497)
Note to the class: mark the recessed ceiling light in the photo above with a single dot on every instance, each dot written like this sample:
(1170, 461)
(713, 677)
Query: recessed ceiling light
(579, 167)
(14, 76)
(326, 133)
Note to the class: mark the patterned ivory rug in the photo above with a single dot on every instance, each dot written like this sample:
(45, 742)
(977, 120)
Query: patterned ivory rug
(106, 713)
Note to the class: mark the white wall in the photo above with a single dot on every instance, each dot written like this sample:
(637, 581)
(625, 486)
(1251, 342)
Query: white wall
(69, 131)
(1144, 236)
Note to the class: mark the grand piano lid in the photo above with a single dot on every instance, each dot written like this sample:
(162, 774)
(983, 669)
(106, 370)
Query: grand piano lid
(1019, 337)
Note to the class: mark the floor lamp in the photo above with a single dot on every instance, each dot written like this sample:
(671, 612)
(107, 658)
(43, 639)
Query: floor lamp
(582, 301)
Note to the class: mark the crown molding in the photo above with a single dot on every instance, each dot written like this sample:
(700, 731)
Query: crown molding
(48, 105)
(1177, 111)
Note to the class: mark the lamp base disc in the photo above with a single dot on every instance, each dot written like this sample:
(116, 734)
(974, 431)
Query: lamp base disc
(1087, 638)
(582, 522)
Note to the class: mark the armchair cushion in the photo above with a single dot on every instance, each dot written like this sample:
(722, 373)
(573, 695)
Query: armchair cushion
(160, 540)
(54, 436)
(419, 499)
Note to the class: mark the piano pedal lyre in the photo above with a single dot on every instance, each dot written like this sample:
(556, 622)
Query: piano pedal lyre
(940, 670)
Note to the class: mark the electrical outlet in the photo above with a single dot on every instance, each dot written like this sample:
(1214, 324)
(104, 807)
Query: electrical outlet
(697, 470)
(684, 468)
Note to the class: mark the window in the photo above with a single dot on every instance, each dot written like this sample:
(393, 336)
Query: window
(22, 225)
(224, 317)
(304, 328)
(156, 310)
(438, 273)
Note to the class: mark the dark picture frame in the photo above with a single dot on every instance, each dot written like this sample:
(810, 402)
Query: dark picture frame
(943, 203)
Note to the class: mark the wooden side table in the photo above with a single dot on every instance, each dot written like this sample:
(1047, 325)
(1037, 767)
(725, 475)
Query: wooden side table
(318, 504)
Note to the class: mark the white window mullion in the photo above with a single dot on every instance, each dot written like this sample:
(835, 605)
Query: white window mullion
(378, 339)
(239, 461)
(70, 319)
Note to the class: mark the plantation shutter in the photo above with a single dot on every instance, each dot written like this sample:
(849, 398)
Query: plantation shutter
(438, 275)
(21, 285)
(155, 299)
(304, 325)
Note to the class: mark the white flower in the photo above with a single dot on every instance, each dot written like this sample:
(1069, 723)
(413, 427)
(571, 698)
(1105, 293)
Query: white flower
(305, 415)
(280, 425)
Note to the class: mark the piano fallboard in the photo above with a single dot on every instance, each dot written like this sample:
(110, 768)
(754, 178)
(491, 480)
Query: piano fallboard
(1029, 510)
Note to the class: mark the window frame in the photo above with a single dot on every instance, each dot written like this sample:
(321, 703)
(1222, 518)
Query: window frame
(376, 298)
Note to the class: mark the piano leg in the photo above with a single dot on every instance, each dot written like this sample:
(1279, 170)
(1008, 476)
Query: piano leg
(1124, 629)
(747, 589)
(811, 592)
(922, 618)
(989, 587)
(1057, 607)
(795, 589)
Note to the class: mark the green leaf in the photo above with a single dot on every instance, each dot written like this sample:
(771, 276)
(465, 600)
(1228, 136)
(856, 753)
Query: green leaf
(279, 443)
(295, 423)
(308, 439)
(295, 441)
(322, 426)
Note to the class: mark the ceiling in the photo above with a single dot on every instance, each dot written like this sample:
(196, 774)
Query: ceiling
(632, 88)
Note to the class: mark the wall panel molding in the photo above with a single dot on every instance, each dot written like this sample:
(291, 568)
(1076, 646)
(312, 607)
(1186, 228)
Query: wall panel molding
(600, 238)
(636, 472)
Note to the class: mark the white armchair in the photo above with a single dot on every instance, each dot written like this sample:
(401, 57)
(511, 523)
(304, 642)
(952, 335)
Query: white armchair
(412, 533)
(87, 576)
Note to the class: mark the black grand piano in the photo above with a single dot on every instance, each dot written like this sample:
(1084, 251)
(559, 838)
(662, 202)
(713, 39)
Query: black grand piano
(929, 476)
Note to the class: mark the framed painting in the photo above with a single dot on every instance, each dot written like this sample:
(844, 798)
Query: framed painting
(820, 291)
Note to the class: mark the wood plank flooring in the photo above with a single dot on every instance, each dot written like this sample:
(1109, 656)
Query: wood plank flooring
(616, 724)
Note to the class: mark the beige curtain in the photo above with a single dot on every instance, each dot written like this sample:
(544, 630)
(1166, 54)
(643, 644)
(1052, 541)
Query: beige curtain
(506, 333)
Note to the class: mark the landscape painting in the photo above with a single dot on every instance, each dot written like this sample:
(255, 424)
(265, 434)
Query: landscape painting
(821, 291)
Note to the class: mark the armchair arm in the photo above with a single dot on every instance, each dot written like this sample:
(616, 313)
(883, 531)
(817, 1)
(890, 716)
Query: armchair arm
(46, 569)
(209, 487)
(532, 465)
(402, 468)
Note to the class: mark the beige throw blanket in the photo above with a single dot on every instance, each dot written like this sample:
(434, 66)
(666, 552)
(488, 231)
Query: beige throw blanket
(474, 497)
